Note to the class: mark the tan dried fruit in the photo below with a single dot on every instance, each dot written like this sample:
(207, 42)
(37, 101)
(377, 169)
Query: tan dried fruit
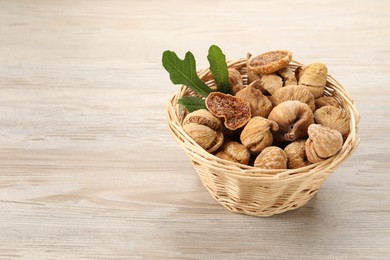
(293, 92)
(234, 77)
(326, 101)
(235, 111)
(323, 142)
(296, 154)
(253, 76)
(313, 77)
(260, 104)
(271, 157)
(234, 152)
(235, 80)
(334, 118)
(269, 62)
(269, 84)
(257, 135)
(203, 117)
(207, 138)
(293, 118)
(204, 129)
(288, 76)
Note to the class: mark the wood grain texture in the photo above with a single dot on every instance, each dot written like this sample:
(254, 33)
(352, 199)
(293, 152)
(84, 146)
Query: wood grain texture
(88, 169)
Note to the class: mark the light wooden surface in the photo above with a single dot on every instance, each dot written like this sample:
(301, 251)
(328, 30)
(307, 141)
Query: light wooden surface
(88, 169)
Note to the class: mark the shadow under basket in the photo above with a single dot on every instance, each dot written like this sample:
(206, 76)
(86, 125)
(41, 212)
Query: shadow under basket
(254, 191)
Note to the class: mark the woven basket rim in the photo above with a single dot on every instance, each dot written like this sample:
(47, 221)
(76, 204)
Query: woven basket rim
(176, 113)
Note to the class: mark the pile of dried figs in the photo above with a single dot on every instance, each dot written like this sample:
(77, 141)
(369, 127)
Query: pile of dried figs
(280, 119)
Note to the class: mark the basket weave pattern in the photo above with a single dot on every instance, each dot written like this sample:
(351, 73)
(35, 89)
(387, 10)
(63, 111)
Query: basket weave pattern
(253, 191)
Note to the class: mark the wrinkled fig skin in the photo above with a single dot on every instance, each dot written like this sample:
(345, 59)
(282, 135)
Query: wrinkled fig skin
(296, 154)
(234, 152)
(203, 117)
(207, 138)
(326, 101)
(293, 118)
(235, 111)
(269, 84)
(334, 118)
(257, 135)
(313, 77)
(293, 92)
(260, 104)
(234, 77)
(271, 157)
(323, 142)
(313, 74)
(235, 80)
(217, 143)
(253, 76)
(288, 76)
(204, 129)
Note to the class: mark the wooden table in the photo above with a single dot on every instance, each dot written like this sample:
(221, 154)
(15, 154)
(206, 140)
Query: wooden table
(88, 168)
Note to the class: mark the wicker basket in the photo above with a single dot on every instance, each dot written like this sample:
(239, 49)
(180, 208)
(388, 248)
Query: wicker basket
(254, 191)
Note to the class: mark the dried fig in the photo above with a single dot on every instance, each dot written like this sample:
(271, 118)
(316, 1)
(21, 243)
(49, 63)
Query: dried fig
(260, 104)
(334, 118)
(269, 84)
(269, 62)
(204, 128)
(257, 135)
(313, 77)
(293, 92)
(288, 76)
(296, 154)
(203, 117)
(234, 152)
(326, 101)
(271, 157)
(253, 76)
(323, 142)
(235, 80)
(293, 118)
(235, 111)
